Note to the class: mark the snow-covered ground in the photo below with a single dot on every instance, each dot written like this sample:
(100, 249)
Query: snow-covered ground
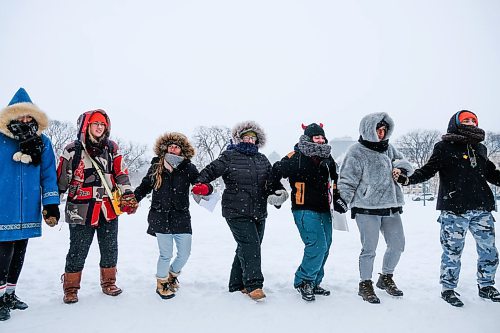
(204, 305)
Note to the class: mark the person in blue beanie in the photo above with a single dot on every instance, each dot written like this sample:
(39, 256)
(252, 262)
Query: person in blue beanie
(28, 173)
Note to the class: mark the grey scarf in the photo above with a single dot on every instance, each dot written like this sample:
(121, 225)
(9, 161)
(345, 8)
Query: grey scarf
(311, 149)
(173, 160)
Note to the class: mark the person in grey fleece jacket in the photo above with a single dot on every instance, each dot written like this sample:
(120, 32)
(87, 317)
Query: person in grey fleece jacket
(367, 184)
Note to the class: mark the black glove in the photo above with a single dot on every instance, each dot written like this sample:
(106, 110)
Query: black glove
(403, 179)
(339, 205)
(32, 146)
(51, 214)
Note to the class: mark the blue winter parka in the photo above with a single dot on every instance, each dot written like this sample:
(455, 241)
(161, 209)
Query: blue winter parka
(24, 186)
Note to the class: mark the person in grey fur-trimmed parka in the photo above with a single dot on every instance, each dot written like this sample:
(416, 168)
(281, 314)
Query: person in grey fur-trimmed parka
(366, 183)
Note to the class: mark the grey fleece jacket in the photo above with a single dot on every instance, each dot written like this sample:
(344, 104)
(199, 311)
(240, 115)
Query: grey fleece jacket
(365, 179)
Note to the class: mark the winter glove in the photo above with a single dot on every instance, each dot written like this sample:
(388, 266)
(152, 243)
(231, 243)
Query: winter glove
(51, 214)
(32, 147)
(201, 189)
(128, 203)
(339, 205)
(278, 198)
(403, 179)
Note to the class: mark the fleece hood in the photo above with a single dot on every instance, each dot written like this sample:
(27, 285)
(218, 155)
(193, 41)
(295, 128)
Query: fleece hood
(368, 126)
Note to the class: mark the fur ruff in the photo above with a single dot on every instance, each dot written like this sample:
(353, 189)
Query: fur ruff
(249, 126)
(368, 126)
(15, 111)
(179, 139)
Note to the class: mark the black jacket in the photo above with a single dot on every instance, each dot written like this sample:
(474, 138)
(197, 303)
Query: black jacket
(461, 186)
(309, 178)
(246, 178)
(169, 212)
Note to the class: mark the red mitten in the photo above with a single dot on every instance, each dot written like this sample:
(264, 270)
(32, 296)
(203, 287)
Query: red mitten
(128, 203)
(200, 189)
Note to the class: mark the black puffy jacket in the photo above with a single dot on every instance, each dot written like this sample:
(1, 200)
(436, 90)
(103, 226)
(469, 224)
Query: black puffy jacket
(462, 187)
(309, 178)
(246, 178)
(169, 212)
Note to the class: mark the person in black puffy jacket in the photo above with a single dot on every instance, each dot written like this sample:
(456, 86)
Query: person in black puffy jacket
(169, 178)
(246, 174)
(465, 201)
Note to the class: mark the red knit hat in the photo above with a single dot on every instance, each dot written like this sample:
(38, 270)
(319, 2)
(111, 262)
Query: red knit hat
(467, 114)
(98, 117)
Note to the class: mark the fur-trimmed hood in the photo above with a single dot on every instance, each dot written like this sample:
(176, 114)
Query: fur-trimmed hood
(368, 126)
(161, 145)
(248, 126)
(21, 105)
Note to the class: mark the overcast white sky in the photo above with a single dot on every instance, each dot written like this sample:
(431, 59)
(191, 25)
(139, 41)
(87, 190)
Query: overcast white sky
(159, 66)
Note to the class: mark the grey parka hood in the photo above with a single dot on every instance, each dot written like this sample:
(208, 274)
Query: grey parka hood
(368, 126)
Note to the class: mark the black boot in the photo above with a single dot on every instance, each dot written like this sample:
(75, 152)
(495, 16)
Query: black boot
(321, 291)
(4, 309)
(14, 303)
(386, 283)
(307, 291)
(366, 291)
(450, 296)
(489, 292)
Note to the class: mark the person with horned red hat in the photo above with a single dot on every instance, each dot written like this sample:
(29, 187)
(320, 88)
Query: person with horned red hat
(89, 168)
(366, 183)
(311, 171)
(28, 174)
(465, 201)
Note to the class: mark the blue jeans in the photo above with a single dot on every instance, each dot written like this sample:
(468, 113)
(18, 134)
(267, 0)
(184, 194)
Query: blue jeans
(166, 247)
(316, 232)
(453, 231)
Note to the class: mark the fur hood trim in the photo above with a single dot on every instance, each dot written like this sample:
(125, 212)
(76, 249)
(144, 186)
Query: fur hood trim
(368, 126)
(160, 147)
(247, 126)
(14, 111)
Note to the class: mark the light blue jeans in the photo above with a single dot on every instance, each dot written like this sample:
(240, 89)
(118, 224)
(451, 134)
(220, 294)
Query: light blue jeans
(166, 247)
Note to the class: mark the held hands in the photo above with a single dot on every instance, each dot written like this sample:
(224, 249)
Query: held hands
(51, 214)
(201, 189)
(128, 202)
(403, 179)
(339, 205)
(278, 198)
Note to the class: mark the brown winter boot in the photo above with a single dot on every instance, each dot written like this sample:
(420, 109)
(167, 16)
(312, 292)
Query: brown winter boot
(257, 294)
(71, 284)
(164, 289)
(108, 280)
(173, 281)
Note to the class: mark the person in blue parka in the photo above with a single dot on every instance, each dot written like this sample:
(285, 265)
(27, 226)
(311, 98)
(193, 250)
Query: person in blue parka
(28, 180)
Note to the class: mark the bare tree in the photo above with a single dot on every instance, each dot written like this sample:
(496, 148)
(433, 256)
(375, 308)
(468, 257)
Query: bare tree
(417, 145)
(60, 134)
(209, 143)
(492, 142)
(133, 154)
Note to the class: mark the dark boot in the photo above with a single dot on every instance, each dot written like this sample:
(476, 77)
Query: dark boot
(306, 290)
(489, 293)
(385, 282)
(320, 291)
(366, 291)
(4, 309)
(450, 296)
(108, 280)
(71, 285)
(14, 303)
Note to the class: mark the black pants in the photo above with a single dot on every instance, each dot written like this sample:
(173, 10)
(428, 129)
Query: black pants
(11, 260)
(246, 270)
(80, 239)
